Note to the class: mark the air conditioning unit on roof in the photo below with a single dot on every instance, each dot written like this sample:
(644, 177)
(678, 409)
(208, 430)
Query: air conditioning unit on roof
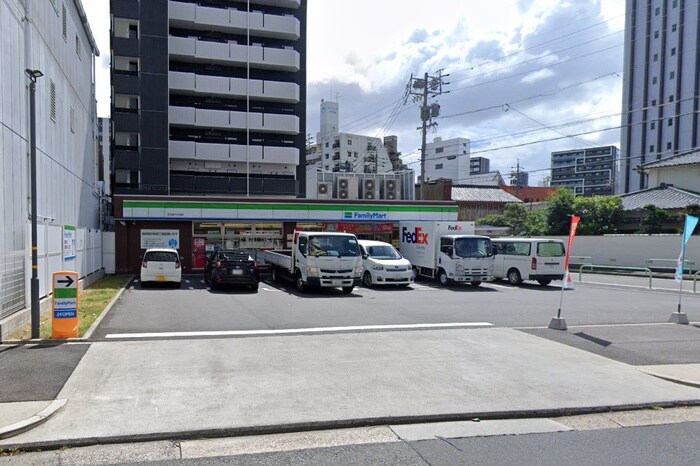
(346, 187)
(324, 190)
(392, 189)
(370, 188)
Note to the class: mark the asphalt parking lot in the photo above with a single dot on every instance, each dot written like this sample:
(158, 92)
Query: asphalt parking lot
(279, 306)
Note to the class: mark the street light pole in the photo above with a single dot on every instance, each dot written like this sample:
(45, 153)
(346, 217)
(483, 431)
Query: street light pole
(35, 311)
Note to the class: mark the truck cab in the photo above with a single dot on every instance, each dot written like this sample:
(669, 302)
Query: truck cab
(328, 260)
(465, 258)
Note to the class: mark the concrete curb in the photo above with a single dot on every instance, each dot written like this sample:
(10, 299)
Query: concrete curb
(108, 308)
(33, 421)
(338, 424)
(678, 380)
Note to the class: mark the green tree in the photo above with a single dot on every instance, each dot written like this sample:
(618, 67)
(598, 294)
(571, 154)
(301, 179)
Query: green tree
(493, 220)
(515, 216)
(536, 223)
(599, 214)
(654, 219)
(560, 207)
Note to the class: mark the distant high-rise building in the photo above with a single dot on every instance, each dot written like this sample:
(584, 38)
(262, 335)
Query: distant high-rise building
(447, 159)
(587, 172)
(208, 97)
(347, 152)
(660, 103)
(479, 165)
(519, 178)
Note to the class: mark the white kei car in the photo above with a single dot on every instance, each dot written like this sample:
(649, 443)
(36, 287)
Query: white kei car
(161, 265)
(384, 265)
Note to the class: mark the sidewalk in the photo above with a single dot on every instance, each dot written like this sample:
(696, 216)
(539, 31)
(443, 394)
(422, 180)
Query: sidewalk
(151, 390)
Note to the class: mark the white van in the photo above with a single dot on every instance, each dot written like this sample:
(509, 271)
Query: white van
(519, 259)
(384, 265)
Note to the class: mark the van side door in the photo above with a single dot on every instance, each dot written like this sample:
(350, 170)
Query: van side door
(498, 259)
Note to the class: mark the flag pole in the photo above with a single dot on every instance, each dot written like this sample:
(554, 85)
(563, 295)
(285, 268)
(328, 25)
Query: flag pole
(559, 323)
(688, 227)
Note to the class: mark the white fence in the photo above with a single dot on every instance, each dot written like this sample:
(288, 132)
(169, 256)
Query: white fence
(88, 254)
(636, 250)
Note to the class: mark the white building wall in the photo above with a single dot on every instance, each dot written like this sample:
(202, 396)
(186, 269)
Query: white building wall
(353, 153)
(66, 146)
(447, 159)
(682, 177)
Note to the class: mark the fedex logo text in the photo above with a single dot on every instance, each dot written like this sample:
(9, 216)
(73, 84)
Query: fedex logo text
(454, 227)
(417, 236)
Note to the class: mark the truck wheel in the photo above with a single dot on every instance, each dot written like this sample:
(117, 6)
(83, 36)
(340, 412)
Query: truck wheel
(514, 277)
(299, 281)
(544, 282)
(367, 280)
(348, 289)
(442, 278)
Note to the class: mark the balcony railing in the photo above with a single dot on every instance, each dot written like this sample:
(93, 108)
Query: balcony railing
(200, 184)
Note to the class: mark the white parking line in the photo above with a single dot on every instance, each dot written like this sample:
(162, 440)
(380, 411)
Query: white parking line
(503, 287)
(354, 328)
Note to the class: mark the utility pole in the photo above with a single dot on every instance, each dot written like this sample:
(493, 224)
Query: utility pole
(518, 180)
(421, 89)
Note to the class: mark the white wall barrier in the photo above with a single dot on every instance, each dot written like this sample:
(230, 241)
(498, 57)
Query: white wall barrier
(84, 257)
(636, 250)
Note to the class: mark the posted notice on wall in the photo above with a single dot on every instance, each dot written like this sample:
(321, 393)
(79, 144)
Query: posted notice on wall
(69, 241)
(160, 239)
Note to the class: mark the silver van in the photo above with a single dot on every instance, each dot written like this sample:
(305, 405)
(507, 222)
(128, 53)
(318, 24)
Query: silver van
(538, 259)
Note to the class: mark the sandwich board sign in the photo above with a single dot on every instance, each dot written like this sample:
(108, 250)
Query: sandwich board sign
(64, 309)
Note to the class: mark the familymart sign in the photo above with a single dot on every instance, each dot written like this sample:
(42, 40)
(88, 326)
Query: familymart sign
(172, 210)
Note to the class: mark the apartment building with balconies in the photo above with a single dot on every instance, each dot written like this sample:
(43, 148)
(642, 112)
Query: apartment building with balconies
(209, 97)
(587, 172)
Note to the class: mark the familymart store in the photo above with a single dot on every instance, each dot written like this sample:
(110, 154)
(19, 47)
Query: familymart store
(195, 225)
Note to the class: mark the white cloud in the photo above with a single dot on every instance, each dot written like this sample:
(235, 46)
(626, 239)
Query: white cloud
(537, 76)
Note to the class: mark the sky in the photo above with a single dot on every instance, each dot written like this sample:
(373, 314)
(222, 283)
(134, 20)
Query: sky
(526, 77)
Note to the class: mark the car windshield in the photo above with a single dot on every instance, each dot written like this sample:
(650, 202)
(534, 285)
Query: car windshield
(386, 252)
(160, 256)
(472, 247)
(332, 245)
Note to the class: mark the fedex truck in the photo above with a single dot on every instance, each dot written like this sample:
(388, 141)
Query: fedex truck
(449, 252)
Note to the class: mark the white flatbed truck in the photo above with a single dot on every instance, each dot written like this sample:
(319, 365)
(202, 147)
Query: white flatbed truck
(318, 259)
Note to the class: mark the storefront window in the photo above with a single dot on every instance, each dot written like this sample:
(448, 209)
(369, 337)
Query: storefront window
(252, 236)
(210, 231)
